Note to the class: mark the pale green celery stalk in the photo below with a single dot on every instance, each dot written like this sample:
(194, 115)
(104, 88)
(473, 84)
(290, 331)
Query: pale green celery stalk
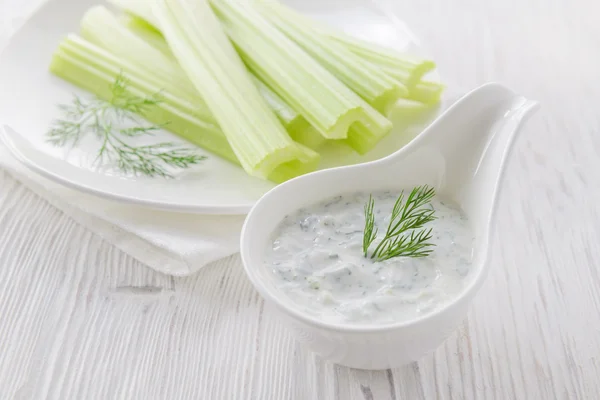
(407, 112)
(326, 103)
(104, 60)
(101, 27)
(408, 69)
(427, 92)
(136, 41)
(138, 23)
(203, 50)
(376, 87)
(94, 69)
(139, 8)
(295, 124)
(146, 32)
(408, 106)
(298, 128)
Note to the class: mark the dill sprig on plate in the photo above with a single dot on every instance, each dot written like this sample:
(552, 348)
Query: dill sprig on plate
(405, 235)
(106, 120)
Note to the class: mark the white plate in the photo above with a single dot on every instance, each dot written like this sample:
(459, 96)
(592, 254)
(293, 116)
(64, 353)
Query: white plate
(29, 97)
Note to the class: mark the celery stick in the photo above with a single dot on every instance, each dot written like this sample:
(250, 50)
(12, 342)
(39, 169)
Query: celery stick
(427, 92)
(410, 107)
(102, 28)
(139, 8)
(295, 124)
(298, 128)
(329, 105)
(153, 37)
(408, 69)
(286, 113)
(146, 32)
(106, 62)
(143, 23)
(140, 48)
(306, 162)
(376, 87)
(203, 50)
(95, 70)
(302, 132)
(139, 24)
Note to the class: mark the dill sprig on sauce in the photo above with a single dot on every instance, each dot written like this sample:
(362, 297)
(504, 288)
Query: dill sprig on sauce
(405, 235)
(105, 120)
(370, 230)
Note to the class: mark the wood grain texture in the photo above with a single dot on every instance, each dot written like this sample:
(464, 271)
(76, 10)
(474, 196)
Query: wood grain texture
(81, 320)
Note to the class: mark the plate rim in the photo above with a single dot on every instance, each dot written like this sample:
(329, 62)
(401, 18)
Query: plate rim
(15, 150)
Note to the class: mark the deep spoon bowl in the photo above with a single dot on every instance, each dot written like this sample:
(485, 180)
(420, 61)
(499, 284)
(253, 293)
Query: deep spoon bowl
(462, 154)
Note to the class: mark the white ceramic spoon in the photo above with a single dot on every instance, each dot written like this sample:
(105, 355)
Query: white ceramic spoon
(463, 155)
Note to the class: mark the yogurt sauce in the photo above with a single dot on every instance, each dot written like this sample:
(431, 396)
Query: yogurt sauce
(316, 260)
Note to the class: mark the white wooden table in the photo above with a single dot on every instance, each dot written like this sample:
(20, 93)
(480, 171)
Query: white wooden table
(74, 323)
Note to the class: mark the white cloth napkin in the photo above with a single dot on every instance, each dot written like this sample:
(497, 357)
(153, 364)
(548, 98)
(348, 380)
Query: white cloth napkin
(171, 243)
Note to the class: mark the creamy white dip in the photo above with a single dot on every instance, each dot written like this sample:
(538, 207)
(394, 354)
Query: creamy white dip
(317, 261)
